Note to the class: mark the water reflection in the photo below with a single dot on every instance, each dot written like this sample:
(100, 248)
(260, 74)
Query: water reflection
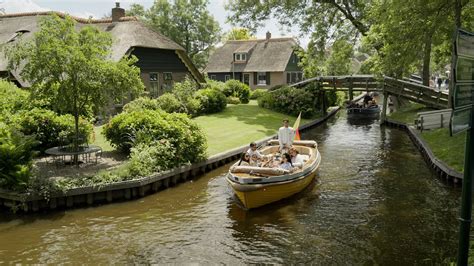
(374, 202)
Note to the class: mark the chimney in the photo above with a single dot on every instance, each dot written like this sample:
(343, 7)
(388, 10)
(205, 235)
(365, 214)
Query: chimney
(269, 35)
(117, 12)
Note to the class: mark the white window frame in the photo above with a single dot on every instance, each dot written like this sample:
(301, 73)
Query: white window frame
(213, 77)
(296, 74)
(261, 82)
(240, 57)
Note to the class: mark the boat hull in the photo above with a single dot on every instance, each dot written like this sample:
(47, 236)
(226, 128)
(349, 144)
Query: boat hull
(254, 196)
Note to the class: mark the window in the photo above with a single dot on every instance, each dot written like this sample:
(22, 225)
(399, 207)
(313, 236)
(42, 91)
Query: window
(154, 86)
(167, 76)
(262, 78)
(294, 58)
(293, 77)
(226, 77)
(240, 57)
(213, 77)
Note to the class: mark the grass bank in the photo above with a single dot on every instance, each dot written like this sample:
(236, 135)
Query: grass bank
(446, 148)
(407, 113)
(239, 125)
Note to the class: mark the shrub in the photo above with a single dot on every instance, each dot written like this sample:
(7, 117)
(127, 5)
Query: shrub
(12, 100)
(148, 158)
(335, 98)
(170, 104)
(141, 103)
(254, 95)
(16, 155)
(237, 89)
(211, 101)
(289, 100)
(130, 129)
(266, 100)
(50, 129)
(214, 84)
(233, 100)
(184, 93)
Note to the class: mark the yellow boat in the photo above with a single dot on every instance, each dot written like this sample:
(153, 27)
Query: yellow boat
(257, 186)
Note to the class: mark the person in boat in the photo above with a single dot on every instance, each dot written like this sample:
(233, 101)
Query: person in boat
(286, 162)
(253, 152)
(244, 159)
(367, 99)
(296, 158)
(286, 135)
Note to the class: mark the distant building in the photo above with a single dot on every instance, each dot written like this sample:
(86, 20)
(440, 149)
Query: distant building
(263, 63)
(161, 61)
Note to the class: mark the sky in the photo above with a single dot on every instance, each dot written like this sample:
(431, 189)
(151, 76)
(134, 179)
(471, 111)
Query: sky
(100, 8)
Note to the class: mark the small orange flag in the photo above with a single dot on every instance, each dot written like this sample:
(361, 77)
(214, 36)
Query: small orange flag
(296, 126)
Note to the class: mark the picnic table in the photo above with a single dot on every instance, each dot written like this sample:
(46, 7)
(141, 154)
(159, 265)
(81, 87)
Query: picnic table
(60, 154)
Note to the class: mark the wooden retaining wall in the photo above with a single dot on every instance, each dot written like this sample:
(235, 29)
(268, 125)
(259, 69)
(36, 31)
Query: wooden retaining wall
(439, 167)
(130, 189)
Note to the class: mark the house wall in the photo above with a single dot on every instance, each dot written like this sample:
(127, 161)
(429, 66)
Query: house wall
(221, 76)
(160, 61)
(276, 78)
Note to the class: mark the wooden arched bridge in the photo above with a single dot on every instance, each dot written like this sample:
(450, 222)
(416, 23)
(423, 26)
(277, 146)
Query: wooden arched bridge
(388, 86)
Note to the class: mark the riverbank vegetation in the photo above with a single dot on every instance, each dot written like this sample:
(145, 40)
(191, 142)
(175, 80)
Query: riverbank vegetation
(446, 148)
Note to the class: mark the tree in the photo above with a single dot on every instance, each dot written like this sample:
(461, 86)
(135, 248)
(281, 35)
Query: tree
(339, 60)
(403, 34)
(187, 22)
(73, 68)
(238, 34)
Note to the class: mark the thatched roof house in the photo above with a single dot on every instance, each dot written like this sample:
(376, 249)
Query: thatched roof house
(260, 63)
(161, 60)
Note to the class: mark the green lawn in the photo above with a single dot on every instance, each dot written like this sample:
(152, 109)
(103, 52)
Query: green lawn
(407, 113)
(239, 125)
(446, 148)
(100, 140)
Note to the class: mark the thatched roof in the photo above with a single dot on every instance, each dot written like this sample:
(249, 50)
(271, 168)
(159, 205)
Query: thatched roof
(270, 55)
(127, 33)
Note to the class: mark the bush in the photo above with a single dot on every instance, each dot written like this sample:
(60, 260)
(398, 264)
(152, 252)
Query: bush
(148, 158)
(335, 98)
(170, 104)
(184, 93)
(290, 101)
(130, 129)
(12, 99)
(16, 155)
(233, 100)
(254, 95)
(51, 129)
(266, 100)
(238, 89)
(211, 101)
(141, 103)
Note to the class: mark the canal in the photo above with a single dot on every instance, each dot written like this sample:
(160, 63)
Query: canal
(375, 202)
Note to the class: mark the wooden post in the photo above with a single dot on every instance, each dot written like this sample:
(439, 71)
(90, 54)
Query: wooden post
(384, 108)
(351, 93)
(324, 102)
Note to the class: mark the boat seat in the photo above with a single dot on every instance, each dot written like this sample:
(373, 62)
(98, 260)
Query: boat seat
(258, 170)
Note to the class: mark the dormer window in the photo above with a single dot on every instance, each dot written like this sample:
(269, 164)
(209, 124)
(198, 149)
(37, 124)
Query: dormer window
(240, 57)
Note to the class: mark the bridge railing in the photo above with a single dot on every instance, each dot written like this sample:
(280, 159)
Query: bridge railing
(413, 91)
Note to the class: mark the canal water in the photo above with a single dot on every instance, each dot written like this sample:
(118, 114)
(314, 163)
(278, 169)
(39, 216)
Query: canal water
(375, 202)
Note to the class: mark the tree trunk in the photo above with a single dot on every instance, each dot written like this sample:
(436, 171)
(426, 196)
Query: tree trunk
(427, 58)
(76, 129)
